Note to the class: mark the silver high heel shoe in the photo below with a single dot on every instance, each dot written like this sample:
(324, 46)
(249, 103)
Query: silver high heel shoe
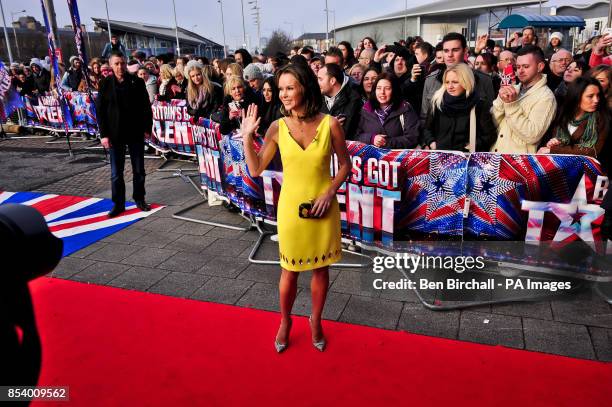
(320, 346)
(281, 347)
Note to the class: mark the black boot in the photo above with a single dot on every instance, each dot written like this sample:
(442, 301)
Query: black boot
(143, 206)
(117, 210)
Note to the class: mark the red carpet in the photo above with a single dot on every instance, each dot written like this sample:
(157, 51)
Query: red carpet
(115, 347)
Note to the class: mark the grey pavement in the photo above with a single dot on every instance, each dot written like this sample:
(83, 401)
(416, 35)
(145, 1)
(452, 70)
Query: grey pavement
(167, 256)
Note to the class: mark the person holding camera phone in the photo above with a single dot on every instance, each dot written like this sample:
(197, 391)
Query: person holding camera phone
(238, 96)
(308, 215)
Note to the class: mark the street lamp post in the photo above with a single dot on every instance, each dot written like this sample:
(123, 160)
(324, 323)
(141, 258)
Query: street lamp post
(178, 45)
(326, 25)
(223, 28)
(107, 21)
(13, 13)
(258, 22)
(8, 44)
(243, 26)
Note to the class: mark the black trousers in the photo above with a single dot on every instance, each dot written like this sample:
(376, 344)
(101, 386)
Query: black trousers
(117, 160)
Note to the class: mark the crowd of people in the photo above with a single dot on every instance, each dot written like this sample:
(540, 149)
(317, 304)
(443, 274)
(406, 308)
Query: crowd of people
(516, 98)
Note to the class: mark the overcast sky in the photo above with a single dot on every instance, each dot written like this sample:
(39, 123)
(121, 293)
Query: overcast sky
(297, 16)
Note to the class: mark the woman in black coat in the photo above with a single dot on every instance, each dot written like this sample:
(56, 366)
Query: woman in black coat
(270, 105)
(448, 123)
(386, 120)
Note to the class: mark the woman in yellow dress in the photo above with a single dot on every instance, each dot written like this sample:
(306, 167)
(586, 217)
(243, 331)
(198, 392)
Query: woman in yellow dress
(309, 239)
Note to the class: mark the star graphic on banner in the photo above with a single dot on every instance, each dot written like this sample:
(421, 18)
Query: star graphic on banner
(577, 216)
(439, 184)
(488, 185)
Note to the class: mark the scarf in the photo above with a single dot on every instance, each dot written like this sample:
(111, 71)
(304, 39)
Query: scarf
(458, 105)
(383, 114)
(589, 137)
(200, 102)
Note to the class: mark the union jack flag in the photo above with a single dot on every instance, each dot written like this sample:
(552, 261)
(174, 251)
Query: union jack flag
(78, 221)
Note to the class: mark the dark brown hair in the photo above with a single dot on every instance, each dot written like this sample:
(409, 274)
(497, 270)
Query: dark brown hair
(311, 93)
(396, 92)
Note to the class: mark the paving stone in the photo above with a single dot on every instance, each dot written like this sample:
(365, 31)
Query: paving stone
(192, 244)
(127, 235)
(226, 247)
(222, 290)
(417, 319)
(86, 251)
(372, 312)
(224, 233)
(192, 228)
(100, 273)
(558, 338)
(401, 294)
(261, 296)
(163, 224)
(69, 266)
(138, 278)
(267, 251)
(251, 236)
(184, 262)
(114, 252)
(220, 266)
(532, 309)
(350, 282)
(334, 304)
(157, 239)
(491, 329)
(179, 284)
(261, 273)
(149, 256)
(602, 342)
(583, 308)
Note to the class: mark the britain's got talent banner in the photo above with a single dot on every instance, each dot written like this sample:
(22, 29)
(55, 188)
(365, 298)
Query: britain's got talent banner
(398, 195)
(48, 112)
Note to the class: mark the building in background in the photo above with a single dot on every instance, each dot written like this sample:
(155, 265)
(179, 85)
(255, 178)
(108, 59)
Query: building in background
(32, 41)
(315, 40)
(156, 39)
(595, 16)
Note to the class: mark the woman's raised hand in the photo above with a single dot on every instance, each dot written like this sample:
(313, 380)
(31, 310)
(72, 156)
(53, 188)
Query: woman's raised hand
(250, 121)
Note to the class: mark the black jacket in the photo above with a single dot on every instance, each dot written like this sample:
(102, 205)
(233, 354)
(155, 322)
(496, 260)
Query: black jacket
(228, 125)
(212, 105)
(453, 132)
(348, 104)
(42, 81)
(110, 114)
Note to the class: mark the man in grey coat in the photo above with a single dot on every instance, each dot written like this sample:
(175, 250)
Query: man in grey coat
(454, 46)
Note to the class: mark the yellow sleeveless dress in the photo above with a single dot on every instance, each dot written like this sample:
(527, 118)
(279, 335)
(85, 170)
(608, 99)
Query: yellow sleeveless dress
(306, 244)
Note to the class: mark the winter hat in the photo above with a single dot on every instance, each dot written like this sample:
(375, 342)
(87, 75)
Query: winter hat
(251, 72)
(36, 61)
(190, 65)
(557, 35)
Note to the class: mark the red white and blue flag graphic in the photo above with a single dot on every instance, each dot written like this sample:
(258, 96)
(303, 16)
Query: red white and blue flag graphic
(78, 221)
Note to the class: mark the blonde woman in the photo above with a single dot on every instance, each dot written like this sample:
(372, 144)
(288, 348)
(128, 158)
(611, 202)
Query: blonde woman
(356, 72)
(203, 97)
(167, 83)
(455, 106)
(233, 69)
(238, 97)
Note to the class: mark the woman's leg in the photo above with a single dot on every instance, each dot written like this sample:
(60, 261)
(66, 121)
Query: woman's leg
(319, 285)
(287, 287)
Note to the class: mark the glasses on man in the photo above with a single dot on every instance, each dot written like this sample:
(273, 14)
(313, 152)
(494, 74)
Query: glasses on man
(558, 61)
